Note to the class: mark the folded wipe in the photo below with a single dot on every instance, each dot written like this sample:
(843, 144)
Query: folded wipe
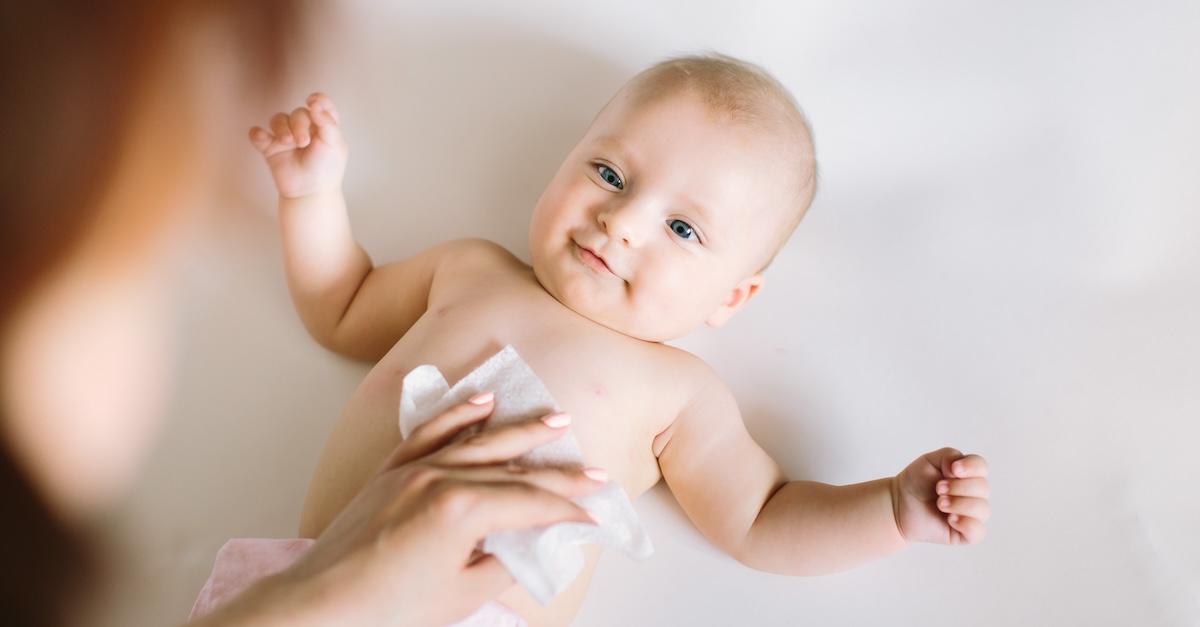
(544, 560)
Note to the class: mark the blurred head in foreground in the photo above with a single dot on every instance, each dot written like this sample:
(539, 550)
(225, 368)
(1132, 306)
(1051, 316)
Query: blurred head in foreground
(103, 125)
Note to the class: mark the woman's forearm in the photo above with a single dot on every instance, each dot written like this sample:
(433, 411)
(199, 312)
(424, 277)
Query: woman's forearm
(274, 601)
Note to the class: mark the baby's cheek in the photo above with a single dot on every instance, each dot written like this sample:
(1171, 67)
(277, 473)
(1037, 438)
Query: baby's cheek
(539, 229)
(547, 217)
(658, 303)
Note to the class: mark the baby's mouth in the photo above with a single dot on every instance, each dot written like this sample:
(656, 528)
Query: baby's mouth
(592, 260)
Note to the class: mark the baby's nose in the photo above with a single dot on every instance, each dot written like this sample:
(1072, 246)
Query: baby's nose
(625, 224)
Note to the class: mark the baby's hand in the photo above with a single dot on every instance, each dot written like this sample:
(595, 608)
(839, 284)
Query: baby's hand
(305, 150)
(942, 497)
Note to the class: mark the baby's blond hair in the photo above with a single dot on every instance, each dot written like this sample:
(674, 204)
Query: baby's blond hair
(749, 95)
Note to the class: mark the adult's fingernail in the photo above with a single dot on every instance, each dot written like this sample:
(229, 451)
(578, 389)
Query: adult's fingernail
(482, 398)
(557, 420)
(943, 487)
(596, 474)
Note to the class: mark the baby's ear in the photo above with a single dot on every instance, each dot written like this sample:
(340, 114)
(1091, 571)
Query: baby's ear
(738, 296)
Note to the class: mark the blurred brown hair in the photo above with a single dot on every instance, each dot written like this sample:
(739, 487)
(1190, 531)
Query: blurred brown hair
(72, 72)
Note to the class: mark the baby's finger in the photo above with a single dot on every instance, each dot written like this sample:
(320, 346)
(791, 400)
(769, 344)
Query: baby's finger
(436, 432)
(505, 443)
(260, 139)
(322, 119)
(326, 128)
(970, 530)
(942, 459)
(300, 123)
(280, 129)
(965, 506)
(977, 487)
(319, 101)
(970, 466)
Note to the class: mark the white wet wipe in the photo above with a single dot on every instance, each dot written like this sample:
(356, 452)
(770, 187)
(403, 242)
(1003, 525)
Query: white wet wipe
(545, 560)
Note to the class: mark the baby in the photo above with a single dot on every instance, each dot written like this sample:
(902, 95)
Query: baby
(660, 220)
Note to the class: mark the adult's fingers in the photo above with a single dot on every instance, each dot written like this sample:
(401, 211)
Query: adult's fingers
(486, 578)
(502, 444)
(436, 432)
(478, 509)
(560, 481)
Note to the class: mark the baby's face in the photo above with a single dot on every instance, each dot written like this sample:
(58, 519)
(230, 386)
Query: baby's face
(660, 218)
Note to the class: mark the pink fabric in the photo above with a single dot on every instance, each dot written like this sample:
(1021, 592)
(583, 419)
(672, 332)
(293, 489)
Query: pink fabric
(492, 614)
(242, 561)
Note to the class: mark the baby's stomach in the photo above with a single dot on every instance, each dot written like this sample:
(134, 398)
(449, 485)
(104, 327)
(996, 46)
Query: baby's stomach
(612, 429)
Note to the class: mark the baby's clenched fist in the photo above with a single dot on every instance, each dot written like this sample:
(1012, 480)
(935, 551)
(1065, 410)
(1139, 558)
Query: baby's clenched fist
(304, 149)
(943, 497)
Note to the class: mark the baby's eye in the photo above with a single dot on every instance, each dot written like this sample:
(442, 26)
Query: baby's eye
(609, 176)
(681, 228)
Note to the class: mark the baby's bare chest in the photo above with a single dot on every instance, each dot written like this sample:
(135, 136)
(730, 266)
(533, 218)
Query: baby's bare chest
(619, 392)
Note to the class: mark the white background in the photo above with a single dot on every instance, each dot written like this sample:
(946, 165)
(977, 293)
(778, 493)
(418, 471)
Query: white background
(1004, 257)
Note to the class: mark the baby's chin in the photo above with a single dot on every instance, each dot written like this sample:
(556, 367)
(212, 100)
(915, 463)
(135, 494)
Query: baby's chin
(580, 299)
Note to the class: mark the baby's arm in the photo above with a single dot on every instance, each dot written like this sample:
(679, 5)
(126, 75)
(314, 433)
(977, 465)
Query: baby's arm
(346, 303)
(739, 499)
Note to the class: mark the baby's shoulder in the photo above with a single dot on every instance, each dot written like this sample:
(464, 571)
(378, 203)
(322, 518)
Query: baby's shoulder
(464, 261)
(473, 253)
(685, 368)
(695, 384)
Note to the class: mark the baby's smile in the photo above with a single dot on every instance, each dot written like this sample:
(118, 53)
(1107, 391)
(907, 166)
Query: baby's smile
(592, 260)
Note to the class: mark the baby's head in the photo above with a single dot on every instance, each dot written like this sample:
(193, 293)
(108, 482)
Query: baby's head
(680, 193)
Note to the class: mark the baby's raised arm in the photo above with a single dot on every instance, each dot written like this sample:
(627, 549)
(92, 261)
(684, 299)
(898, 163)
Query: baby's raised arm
(347, 304)
(740, 500)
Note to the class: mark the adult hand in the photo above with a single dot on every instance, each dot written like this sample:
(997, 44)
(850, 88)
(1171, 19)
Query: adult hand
(403, 551)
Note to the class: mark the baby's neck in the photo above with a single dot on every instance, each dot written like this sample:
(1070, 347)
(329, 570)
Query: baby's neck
(581, 316)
